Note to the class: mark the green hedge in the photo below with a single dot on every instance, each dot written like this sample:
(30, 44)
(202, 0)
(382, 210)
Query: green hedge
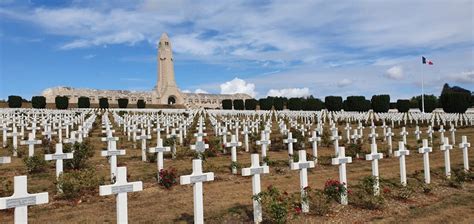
(251, 104)
(356, 103)
(141, 104)
(295, 103)
(83, 102)
(62, 102)
(312, 104)
(279, 102)
(333, 103)
(455, 102)
(14, 101)
(380, 103)
(38, 102)
(122, 103)
(103, 103)
(265, 103)
(227, 104)
(238, 104)
(403, 105)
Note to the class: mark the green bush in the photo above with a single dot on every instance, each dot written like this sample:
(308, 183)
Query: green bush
(333, 189)
(319, 202)
(82, 153)
(431, 102)
(14, 101)
(279, 102)
(168, 178)
(333, 103)
(141, 104)
(104, 103)
(83, 102)
(275, 205)
(312, 104)
(251, 104)
(227, 104)
(295, 104)
(380, 103)
(403, 105)
(62, 102)
(265, 103)
(38, 102)
(122, 102)
(356, 103)
(35, 164)
(455, 99)
(238, 104)
(77, 183)
(363, 200)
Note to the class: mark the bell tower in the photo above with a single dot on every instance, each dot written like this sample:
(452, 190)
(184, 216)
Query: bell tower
(166, 86)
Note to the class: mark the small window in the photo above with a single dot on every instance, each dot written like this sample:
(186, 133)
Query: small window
(166, 43)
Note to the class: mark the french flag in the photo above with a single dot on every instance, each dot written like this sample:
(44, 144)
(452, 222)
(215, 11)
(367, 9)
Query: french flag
(425, 61)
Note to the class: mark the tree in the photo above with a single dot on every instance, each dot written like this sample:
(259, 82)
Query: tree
(403, 105)
(431, 102)
(312, 104)
(62, 102)
(265, 103)
(295, 103)
(14, 101)
(238, 104)
(455, 99)
(227, 104)
(356, 103)
(251, 104)
(333, 103)
(103, 103)
(83, 102)
(38, 102)
(122, 102)
(279, 102)
(141, 104)
(380, 103)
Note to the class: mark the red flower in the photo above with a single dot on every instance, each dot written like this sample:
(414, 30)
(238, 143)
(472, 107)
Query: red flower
(386, 190)
(297, 210)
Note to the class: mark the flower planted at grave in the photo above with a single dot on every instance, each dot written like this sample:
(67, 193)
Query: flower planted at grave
(276, 205)
(168, 178)
(234, 165)
(333, 189)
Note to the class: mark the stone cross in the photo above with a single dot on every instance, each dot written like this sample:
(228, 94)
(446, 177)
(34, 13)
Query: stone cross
(5, 159)
(109, 139)
(72, 138)
(224, 135)
(59, 156)
(314, 142)
(441, 132)
(21, 199)
(348, 132)
(31, 142)
(196, 178)
(159, 150)
(246, 133)
(453, 134)
(173, 148)
(134, 131)
(48, 132)
(14, 135)
(113, 152)
(430, 133)
(425, 149)
(374, 156)
(264, 142)
(335, 137)
(446, 147)
(121, 187)
(143, 137)
(33, 128)
(303, 166)
(389, 135)
(464, 145)
(402, 152)
(341, 160)
(158, 130)
(384, 128)
(404, 134)
(234, 144)
(373, 135)
(255, 170)
(417, 132)
(290, 140)
(355, 136)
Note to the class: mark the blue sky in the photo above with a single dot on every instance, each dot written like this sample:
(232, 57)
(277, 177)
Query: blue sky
(290, 48)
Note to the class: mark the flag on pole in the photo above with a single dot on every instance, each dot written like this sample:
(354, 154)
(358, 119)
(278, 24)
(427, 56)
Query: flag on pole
(425, 61)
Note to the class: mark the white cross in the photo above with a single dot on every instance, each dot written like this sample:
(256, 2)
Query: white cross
(14, 135)
(159, 150)
(196, 178)
(453, 134)
(290, 140)
(5, 159)
(113, 152)
(5, 128)
(48, 132)
(31, 142)
(373, 135)
(375, 156)
(426, 159)
(72, 138)
(58, 156)
(402, 152)
(245, 132)
(441, 132)
(109, 139)
(121, 187)
(464, 145)
(314, 142)
(21, 199)
(303, 166)
(264, 143)
(404, 134)
(143, 137)
(233, 144)
(389, 135)
(417, 133)
(158, 130)
(430, 133)
(341, 160)
(335, 137)
(446, 147)
(255, 170)
(348, 132)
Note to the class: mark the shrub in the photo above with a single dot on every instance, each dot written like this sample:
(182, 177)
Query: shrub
(333, 103)
(168, 178)
(431, 102)
(367, 201)
(103, 103)
(279, 103)
(275, 204)
(333, 189)
(312, 104)
(319, 202)
(295, 103)
(356, 103)
(403, 105)
(82, 152)
(14, 101)
(265, 103)
(38, 102)
(62, 102)
(77, 183)
(141, 104)
(227, 104)
(251, 104)
(35, 164)
(238, 104)
(455, 99)
(380, 103)
(353, 150)
(123, 102)
(83, 102)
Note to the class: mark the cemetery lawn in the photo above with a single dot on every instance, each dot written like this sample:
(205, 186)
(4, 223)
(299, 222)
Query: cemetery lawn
(228, 198)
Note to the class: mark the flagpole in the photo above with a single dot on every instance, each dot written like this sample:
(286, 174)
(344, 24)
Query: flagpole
(422, 89)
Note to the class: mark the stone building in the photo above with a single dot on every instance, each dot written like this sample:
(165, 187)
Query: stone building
(165, 91)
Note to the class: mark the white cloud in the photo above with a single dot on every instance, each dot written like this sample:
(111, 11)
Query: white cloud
(237, 85)
(89, 56)
(395, 72)
(344, 82)
(290, 92)
(200, 91)
(463, 77)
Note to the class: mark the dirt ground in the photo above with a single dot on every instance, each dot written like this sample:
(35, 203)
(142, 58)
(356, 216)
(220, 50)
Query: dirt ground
(228, 198)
